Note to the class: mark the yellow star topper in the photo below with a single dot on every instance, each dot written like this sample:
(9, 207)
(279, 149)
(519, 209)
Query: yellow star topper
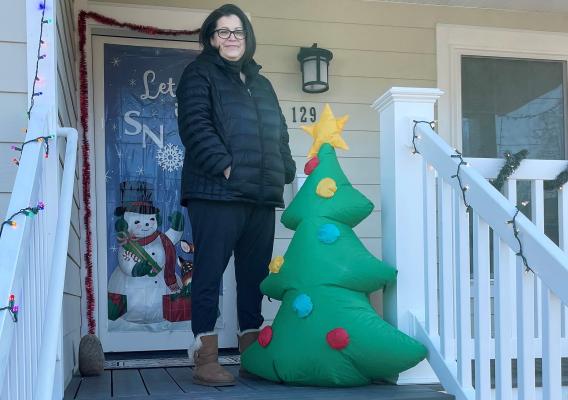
(327, 130)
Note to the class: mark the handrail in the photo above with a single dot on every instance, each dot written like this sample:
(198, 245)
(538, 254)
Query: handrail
(551, 265)
(53, 307)
(12, 240)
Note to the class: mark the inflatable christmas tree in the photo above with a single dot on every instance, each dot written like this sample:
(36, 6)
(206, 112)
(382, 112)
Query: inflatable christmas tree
(326, 332)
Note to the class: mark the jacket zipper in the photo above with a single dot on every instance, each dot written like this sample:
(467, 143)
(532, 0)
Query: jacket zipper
(259, 119)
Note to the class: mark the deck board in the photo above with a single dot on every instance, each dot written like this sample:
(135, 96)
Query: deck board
(72, 388)
(128, 382)
(159, 382)
(176, 383)
(184, 378)
(95, 387)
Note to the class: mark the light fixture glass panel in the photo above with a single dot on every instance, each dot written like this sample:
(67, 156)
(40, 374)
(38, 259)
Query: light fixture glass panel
(310, 68)
(323, 71)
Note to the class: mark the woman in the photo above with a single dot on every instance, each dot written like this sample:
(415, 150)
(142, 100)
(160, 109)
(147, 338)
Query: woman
(237, 160)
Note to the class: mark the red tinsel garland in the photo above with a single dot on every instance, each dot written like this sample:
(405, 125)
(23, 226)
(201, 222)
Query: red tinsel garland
(86, 149)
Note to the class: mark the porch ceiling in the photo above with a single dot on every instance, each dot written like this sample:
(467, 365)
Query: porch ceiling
(554, 6)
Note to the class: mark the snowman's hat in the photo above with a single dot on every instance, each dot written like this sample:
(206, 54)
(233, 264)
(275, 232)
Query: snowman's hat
(136, 197)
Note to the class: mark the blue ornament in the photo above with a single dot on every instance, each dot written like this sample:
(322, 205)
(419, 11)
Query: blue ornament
(328, 233)
(303, 305)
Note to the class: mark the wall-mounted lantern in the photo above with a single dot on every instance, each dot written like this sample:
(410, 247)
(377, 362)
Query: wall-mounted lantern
(314, 62)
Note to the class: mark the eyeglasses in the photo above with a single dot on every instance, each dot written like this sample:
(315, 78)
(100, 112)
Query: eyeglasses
(239, 34)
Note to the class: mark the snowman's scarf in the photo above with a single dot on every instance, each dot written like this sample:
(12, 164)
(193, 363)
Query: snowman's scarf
(169, 249)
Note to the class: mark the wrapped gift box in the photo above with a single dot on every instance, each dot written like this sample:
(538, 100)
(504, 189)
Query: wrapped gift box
(177, 307)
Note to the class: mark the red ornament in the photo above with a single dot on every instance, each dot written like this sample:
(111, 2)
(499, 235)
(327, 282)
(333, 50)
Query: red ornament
(337, 338)
(311, 165)
(265, 336)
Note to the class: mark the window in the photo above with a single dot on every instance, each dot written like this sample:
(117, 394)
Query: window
(505, 90)
(511, 104)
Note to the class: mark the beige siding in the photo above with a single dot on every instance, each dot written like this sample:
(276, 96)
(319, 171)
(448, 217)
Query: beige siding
(13, 98)
(67, 107)
(376, 45)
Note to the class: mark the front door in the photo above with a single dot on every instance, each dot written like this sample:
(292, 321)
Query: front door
(144, 245)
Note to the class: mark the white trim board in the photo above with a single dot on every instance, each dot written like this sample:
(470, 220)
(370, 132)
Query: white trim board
(159, 16)
(454, 41)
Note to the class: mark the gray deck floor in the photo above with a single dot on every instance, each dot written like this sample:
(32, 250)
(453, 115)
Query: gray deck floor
(176, 384)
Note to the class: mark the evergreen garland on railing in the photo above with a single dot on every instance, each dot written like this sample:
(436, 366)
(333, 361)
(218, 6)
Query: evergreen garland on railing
(511, 164)
(558, 182)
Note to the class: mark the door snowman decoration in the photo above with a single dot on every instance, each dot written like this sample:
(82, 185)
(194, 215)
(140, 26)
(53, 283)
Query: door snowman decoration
(146, 258)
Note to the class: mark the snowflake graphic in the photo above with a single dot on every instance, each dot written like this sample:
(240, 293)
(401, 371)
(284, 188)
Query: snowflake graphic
(115, 61)
(170, 158)
(132, 82)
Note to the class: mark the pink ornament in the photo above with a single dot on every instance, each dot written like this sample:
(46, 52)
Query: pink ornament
(265, 336)
(337, 338)
(311, 165)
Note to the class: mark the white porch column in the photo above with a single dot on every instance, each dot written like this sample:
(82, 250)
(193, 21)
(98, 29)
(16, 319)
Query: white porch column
(401, 208)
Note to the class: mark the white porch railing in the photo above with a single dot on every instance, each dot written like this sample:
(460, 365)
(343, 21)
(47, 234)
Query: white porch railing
(435, 244)
(32, 266)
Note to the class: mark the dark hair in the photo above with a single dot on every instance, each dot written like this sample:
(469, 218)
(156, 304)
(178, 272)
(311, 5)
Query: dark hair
(210, 24)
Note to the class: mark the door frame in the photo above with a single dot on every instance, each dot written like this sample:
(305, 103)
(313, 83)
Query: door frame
(455, 41)
(139, 340)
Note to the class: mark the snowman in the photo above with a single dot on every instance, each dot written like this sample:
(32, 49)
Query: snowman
(146, 257)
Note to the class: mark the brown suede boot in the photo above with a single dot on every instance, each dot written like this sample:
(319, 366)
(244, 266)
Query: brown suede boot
(207, 370)
(245, 340)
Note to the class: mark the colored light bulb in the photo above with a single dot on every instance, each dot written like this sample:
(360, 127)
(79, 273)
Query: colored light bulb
(13, 224)
(15, 309)
(12, 297)
(41, 205)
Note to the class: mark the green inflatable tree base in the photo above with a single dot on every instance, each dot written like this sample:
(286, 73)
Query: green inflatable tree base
(326, 332)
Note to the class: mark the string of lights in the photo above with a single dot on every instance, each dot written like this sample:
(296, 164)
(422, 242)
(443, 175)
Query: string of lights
(463, 188)
(33, 93)
(516, 232)
(42, 139)
(12, 308)
(431, 124)
(28, 212)
(513, 161)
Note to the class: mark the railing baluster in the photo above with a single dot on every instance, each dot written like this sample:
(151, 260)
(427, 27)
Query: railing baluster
(502, 271)
(525, 332)
(551, 351)
(445, 276)
(563, 243)
(430, 257)
(537, 216)
(463, 282)
(482, 307)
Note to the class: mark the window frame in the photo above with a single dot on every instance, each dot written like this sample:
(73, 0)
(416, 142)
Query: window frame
(455, 41)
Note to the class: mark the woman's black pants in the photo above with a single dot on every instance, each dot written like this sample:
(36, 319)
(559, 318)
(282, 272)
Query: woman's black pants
(220, 228)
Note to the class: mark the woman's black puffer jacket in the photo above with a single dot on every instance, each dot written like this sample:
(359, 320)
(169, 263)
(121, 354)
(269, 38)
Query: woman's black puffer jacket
(224, 122)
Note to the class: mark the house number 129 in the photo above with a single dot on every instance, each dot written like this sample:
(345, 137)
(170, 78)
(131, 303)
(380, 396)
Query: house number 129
(303, 114)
